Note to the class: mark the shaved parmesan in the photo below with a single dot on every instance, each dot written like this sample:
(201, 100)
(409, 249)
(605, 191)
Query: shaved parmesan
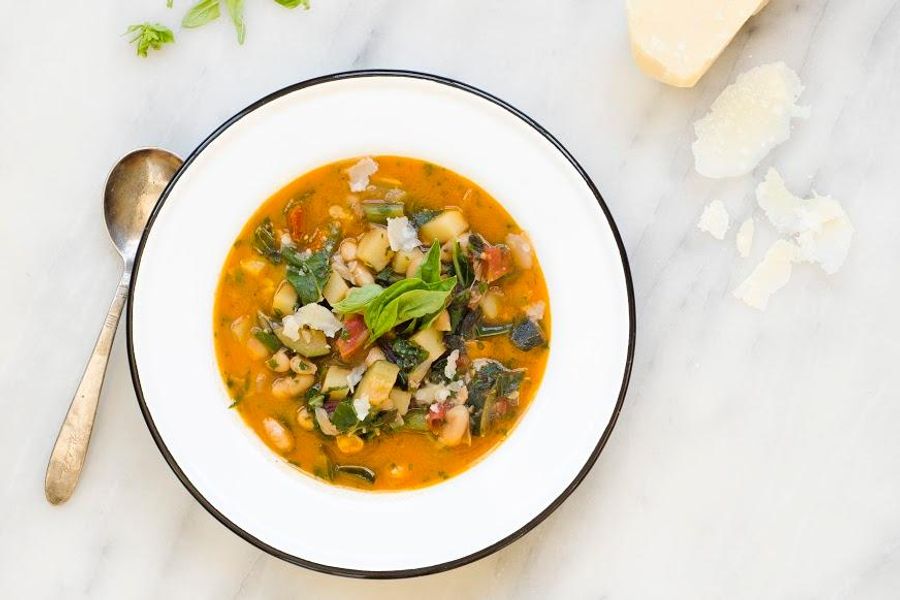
(290, 327)
(450, 369)
(744, 238)
(769, 276)
(748, 119)
(316, 316)
(361, 407)
(402, 235)
(360, 173)
(819, 224)
(535, 311)
(714, 220)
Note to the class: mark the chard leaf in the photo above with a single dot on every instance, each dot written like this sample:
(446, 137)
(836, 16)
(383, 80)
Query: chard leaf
(264, 241)
(308, 273)
(344, 417)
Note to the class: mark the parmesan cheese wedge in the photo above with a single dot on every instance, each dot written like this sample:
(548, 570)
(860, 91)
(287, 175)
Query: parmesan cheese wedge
(748, 119)
(769, 276)
(676, 41)
(714, 220)
(821, 228)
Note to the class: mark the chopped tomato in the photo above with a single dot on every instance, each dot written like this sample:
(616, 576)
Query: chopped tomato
(295, 223)
(353, 337)
(496, 262)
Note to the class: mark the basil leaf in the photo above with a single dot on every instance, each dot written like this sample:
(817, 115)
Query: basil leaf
(201, 13)
(149, 36)
(236, 11)
(294, 3)
(410, 305)
(308, 274)
(430, 269)
(393, 291)
(344, 417)
(358, 298)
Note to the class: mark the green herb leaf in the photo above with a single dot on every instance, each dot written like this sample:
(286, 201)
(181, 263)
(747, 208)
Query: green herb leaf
(410, 305)
(406, 354)
(149, 36)
(358, 298)
(463, 268)
(430, 269)
(264, 241)
(308, 273)
(236, 11)
(201, 13)
(294, 3)
(375, 307)
(268, 339)
(170, 3)
(344, 417)
(422, 216)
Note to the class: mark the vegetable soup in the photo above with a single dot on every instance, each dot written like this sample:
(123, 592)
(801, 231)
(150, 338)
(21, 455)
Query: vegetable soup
(381, 323)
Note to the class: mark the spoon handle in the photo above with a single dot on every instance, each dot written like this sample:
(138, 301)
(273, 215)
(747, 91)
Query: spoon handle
(67, 458)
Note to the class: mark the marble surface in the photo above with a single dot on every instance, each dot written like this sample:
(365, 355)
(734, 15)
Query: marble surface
(757, 454)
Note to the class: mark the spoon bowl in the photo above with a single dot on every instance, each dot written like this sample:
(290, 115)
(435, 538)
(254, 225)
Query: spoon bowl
(132, 190)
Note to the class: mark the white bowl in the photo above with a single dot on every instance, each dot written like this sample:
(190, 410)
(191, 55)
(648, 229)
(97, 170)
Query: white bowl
(222, 462)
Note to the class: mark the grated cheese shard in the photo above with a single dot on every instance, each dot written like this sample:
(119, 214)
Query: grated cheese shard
(676, 41)
(744, 238)
(748, 119)
(402, 235)
(819, 225)
(314, 316)
(714, 220)
(360, 172)
(769, 276)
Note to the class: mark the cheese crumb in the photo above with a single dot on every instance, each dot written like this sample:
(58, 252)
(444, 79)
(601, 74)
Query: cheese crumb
(535, 311)
(361, 407)
(769, 276)
(819, 224)
(744, 238)
(402, 235)
(360, 173)
(316, 316)
(450, 369)
(748, 119)
(714, 220)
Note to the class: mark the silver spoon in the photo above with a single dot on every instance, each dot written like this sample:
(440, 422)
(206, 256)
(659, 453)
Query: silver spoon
(132, 189)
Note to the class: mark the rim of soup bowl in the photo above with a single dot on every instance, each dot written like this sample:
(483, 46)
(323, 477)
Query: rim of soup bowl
(499, 544)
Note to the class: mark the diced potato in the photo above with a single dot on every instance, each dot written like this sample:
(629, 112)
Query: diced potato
(490, 304)
(335, 382)
(377, 382)
(253, 266)
(414, 263)
(447, 226)
(400, 400)
(402, 259)
(432, 341)
(310, 343)
(374, 249)
(336, 289)
(442, 323)
(285, 299)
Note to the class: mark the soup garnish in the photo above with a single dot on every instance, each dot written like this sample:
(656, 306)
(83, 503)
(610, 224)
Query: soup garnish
(381, 323)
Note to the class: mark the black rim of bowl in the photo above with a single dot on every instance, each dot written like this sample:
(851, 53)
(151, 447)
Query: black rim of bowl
(391, 574)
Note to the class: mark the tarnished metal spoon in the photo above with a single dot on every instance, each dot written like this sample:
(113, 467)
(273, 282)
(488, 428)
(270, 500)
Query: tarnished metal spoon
(132, 189)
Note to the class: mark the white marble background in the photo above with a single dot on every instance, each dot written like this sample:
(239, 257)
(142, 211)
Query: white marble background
(757, 455)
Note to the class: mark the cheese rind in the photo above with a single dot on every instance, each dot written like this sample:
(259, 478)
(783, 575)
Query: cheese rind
(676, 41)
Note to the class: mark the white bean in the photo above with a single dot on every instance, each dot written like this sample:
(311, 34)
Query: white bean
(456, 424)
(348, 250)
(279, 362)
(278, 434)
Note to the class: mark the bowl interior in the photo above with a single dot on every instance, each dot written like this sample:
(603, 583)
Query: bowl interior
(229, 468)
